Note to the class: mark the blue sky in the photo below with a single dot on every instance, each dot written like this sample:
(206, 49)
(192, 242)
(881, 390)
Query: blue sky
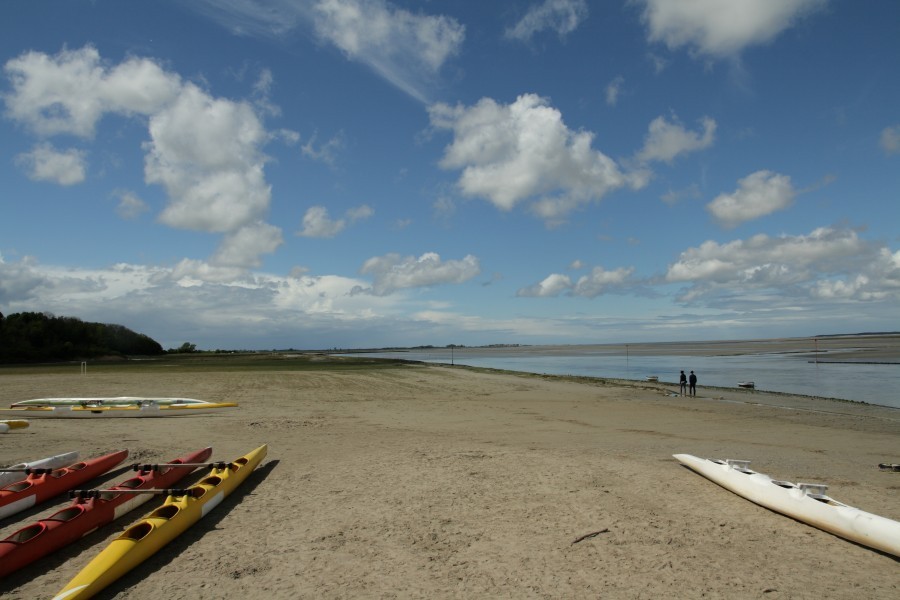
(362, 173)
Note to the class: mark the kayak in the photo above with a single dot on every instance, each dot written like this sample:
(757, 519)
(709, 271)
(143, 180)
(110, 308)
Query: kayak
(84, 516)
(181, 509)
(113, 401)
(8, 425)
(38, 487)
(16, 473)
(149, 409)
(806, 502)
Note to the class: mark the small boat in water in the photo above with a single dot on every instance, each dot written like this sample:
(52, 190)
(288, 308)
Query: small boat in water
(652, 378)
(749, 385)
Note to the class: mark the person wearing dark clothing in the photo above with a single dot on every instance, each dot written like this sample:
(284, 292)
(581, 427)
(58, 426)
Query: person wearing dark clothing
(693, 382)
(683, 381)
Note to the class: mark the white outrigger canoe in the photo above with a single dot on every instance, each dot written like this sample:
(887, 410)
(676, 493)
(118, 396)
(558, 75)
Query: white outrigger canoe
(806, 502)
(112, 401)
(100, 411)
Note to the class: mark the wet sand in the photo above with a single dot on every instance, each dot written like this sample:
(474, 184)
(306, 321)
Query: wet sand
(439, 482)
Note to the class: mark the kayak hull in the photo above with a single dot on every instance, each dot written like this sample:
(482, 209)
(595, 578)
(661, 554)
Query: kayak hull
(804, 502)
(120, 411)
(35, 488)
(84, 516)
(51, 462)
(105, 401)
(143, 539)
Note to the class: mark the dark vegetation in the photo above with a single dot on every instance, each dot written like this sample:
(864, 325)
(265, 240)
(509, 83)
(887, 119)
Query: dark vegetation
(38, 337)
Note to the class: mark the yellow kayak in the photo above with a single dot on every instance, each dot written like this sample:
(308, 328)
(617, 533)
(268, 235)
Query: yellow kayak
(143, 539)
(7, 424)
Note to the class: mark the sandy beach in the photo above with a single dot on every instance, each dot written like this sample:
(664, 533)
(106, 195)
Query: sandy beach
(445, 482)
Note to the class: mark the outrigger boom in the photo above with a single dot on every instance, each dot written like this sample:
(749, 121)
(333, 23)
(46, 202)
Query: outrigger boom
(156, 467)
(85, 494)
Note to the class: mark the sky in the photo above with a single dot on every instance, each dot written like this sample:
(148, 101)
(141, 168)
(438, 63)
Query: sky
(316, 174)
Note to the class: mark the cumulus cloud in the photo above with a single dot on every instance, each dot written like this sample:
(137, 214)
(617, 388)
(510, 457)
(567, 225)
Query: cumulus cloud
(206, 152)
(665, 140)
(561, 16)
(596, 283)
(826, 263)
(550, 287)
(520, 151)
(721, 28)
(46, 163)
(890, 139)
(70, 92)
(243, 247)
(601, 281)
(758, 194)
(318, 224)
(394, 272)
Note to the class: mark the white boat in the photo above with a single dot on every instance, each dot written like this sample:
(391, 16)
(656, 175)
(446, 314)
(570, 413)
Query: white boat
(652, 378)
(746, 384)
(806, 502)
(96, 411)
(16, 473)
(113, 401)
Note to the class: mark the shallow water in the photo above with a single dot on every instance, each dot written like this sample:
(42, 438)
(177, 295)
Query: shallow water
(872, 383)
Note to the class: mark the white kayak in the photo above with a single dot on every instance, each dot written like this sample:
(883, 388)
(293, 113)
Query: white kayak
(94, 411)
(16, 473)
(110, 401)
(806, 502)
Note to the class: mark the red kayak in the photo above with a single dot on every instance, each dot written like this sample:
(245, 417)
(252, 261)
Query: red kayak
(84, 516)
(40, 486)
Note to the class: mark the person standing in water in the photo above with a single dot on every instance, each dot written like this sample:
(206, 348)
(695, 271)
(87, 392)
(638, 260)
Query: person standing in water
(683, 382)
(693, 381)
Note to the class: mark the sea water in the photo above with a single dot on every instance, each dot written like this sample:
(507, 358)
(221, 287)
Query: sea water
(860, 382)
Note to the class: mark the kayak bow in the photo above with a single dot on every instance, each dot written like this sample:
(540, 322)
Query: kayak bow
(16, 473)
(41, 486)
(161, 526)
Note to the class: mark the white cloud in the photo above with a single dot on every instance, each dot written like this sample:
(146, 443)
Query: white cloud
(406, 49)
(721, 28)
(598, 282)
(46, 163)
(826, 263)
(206, 153)
(613, 90)
(326, 152)
(550, 287)
(665, 141)
(393, 272)
(70, 92)
(511, 153)
(758, 194)
(243, 247)
(561, 16)
(601, 281)
(890, 139)
(130, 206)
(318, 224)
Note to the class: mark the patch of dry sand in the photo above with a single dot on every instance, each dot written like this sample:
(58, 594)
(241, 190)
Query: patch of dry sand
(439, 482)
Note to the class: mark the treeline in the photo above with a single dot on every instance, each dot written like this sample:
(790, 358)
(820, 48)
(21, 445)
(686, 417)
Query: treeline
(38, 337)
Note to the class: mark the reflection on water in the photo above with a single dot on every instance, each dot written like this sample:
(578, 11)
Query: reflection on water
(872, 383)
